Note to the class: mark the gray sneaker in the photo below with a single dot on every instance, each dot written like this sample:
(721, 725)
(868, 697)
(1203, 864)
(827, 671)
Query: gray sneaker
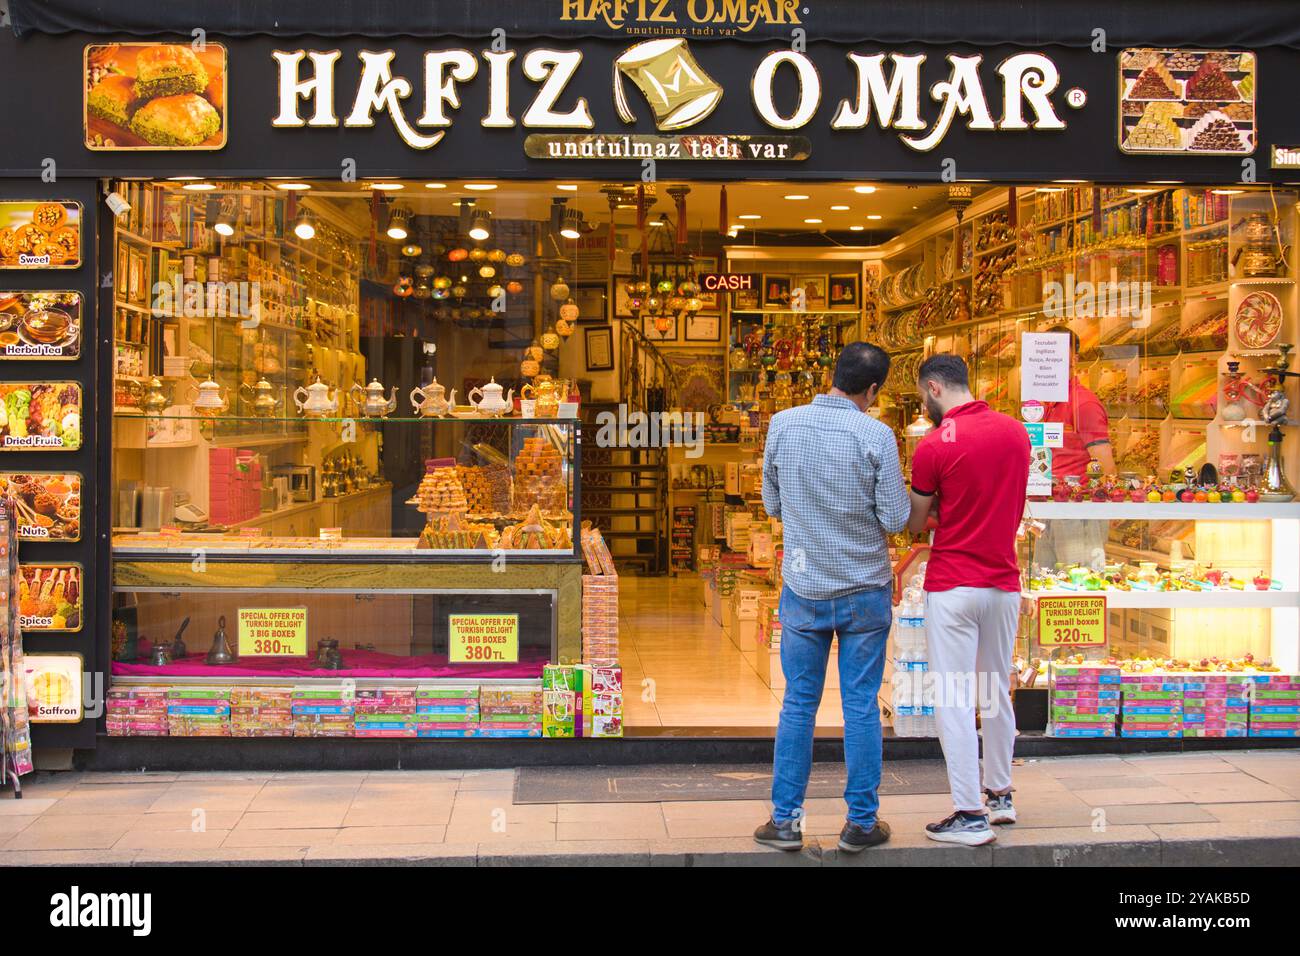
(999, 807)
(968, 829)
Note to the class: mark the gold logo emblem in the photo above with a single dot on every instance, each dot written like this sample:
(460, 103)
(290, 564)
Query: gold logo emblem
(675, 85)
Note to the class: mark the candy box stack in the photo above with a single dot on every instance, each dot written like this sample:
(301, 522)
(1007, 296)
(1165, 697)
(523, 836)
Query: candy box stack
(447, 710)
(561, 700)
(323, 710)
(1152, 705)
(261, 711)
(234, 485)
(1084, 699)
(1215, 705)
(385, 712)
(599, 602)
(198, 711)
(510, 710)
(602, 701)
(1275, 706)
(136, 711)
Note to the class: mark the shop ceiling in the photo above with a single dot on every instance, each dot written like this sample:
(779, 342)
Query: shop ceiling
(768, 210)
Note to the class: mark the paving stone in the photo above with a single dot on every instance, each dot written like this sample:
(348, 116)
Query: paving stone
(1076, 846)
(74, 858)
(730, 853)
(1236, 812)
(103, 799)
(566, 853)
(389, 836)
(403, 854)
(247, 838)
(223, 856)
(1238, 843)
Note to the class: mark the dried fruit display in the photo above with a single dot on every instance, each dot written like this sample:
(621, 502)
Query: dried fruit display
(1154, 83)
(1209, 82)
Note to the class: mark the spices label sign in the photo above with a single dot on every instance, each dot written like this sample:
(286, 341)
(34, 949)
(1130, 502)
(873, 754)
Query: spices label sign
(483, 638)
(272, 632)
(1072, 621)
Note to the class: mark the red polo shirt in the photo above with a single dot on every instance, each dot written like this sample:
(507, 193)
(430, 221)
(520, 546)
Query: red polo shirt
(1086, 423)
(976, 465)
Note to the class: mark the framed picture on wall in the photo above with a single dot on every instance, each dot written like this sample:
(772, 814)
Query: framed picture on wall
(814, 291)
(123, 271)
(599, 340)
(590, 300)
(776, 291)
(654, 335)
(703, 327)
(844, 291)
(138, 278)
(745, 300)
(622, 302)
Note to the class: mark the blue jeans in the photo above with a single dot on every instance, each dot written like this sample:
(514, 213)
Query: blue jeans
(861, 621)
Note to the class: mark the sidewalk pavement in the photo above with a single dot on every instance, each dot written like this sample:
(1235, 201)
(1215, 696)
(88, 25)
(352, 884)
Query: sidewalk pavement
(1238, 808)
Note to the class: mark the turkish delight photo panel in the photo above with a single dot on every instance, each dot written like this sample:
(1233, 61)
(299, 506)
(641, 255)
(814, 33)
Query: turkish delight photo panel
(155, 96)
(1187, 101)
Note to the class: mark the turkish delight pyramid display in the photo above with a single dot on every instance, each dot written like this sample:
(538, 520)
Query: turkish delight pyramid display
(440, 491)
(536, 533)
(1156, 129)
(454, 530)
(1209, 82)
(1216, 133)
(1154, 83)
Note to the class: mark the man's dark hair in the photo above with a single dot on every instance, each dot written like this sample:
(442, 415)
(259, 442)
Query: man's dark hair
(860, 366)
(1066, 330)
(946, 369)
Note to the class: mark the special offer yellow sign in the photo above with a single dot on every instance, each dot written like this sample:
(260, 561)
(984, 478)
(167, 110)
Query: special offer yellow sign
(480, 638)
(1072, 621)
(272, 632)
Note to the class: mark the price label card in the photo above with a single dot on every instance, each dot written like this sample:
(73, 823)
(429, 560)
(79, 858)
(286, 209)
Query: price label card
(1072, 621)
(483, 638)
(272, 632)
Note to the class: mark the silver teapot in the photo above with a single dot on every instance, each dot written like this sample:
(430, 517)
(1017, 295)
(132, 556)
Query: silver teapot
(370, 401)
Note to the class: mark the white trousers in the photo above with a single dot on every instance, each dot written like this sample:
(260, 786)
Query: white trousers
(970, 632)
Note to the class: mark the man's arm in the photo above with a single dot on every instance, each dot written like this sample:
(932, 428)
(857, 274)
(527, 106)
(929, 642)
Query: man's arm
(920, 511)
(1104, 454)
(771, 487)
(891, 490)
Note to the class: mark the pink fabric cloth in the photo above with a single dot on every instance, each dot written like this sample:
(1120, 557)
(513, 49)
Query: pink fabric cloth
(355, 664)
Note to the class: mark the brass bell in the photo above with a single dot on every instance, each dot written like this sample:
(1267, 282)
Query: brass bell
(220, 652)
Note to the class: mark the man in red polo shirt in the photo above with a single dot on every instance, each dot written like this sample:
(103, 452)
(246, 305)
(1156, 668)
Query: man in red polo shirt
(971, 471)
(1086, 439)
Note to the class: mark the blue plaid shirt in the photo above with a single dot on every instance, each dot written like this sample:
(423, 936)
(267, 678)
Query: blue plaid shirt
(831, 474)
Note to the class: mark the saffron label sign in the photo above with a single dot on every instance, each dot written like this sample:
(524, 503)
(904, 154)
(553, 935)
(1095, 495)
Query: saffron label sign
(483, 638)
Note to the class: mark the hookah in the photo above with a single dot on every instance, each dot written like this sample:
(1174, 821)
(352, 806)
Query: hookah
(1274, 485)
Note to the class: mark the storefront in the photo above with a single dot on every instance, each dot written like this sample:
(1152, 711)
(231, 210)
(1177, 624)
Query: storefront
(399, 381)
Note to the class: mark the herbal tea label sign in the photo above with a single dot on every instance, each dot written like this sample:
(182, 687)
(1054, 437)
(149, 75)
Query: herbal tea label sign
(1072, 621)
(272, 632)
(1045, 366)
(480, 638)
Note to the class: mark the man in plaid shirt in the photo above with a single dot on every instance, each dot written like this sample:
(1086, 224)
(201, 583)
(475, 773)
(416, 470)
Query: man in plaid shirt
(831, 475)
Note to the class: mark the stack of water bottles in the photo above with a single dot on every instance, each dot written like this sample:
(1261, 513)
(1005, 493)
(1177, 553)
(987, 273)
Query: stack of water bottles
(912, 685)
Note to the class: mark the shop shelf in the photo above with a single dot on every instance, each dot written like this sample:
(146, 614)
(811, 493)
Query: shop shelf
(1162, 511)
(1183, 599)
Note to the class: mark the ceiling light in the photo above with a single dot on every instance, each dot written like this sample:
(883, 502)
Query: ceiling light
(411, 250)
(435, 185)
(304, 226)
(1141, 191)
(293, 187)
(657, 222)
(856, 228)
(572, 225)
(398, 224)
(839, 208)
(387, 187)
(1070, 181)
(875, 216)
(1050, 189)
(199, 187)
(864, 190)
(736, 228)
(182, 179)
(480, 187)
(480, 225)
(567, 187)
(796, 196)
(1227, 192)
(750, 215)
(812, 222)
(1165, 182)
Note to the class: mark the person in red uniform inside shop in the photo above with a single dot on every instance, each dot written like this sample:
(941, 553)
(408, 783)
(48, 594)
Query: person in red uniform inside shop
(1086, 439)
